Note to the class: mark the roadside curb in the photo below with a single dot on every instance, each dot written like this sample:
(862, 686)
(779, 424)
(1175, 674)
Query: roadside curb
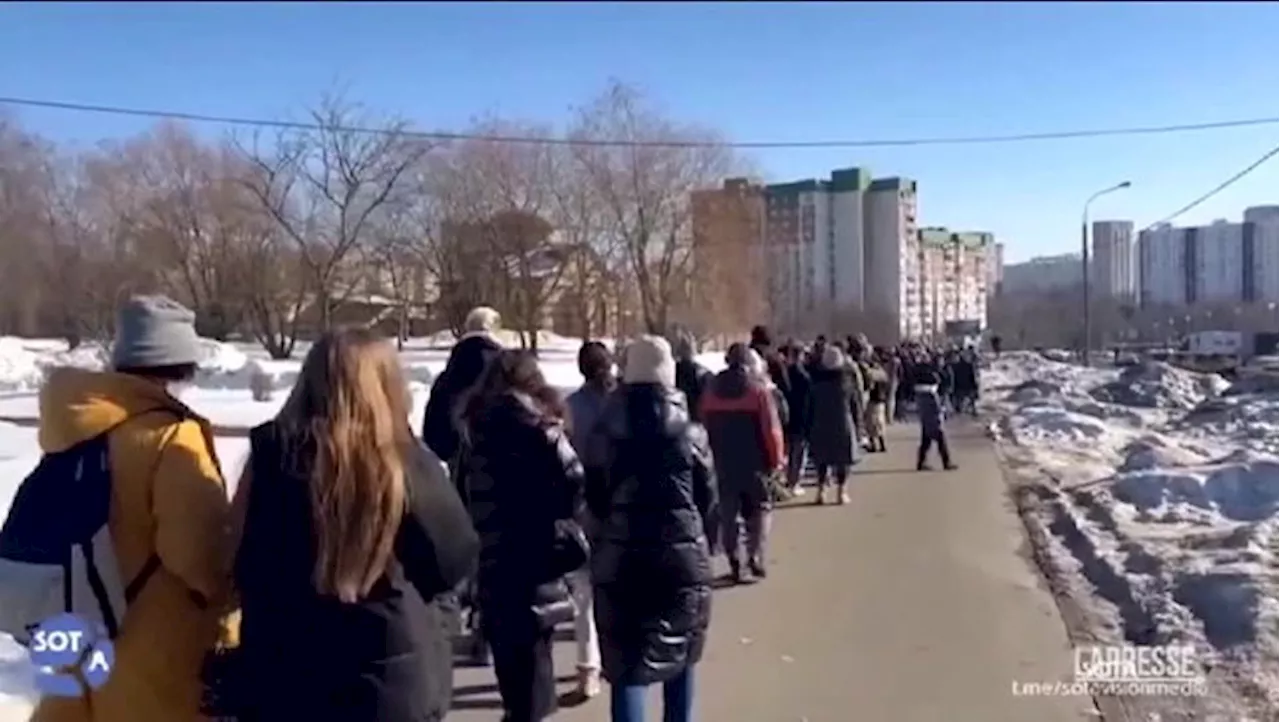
(1025, 494)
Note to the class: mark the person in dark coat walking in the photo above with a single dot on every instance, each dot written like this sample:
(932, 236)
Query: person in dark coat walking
(800, 418)
(468, 359)
(651, 563)
(350, 533)
(932, 414)
(691, 376)
(762, 343)
(964, 392)
(746, 442)
(813, 359)
(946, 378)
(832, 436)
(525, 486)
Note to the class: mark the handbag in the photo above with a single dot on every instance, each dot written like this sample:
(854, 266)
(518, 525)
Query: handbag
(553, 605)
(776, 484)
(570, 549)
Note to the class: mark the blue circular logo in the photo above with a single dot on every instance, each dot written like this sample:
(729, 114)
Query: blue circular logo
(67, 648)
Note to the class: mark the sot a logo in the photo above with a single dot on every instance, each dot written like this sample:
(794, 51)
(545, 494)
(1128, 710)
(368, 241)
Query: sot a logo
(67, 648)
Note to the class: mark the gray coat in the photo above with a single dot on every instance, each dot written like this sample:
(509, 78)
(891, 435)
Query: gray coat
(831, 436)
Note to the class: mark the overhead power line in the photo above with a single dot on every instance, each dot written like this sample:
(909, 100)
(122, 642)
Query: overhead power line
(1219, 188)
(442, 136)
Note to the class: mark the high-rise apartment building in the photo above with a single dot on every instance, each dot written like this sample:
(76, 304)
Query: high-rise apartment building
(843, 248)
(892, 260)
(995, 270)
(954, 280)
(1222, 262)
(814, 241)
(1047, 274)
(1113, 272)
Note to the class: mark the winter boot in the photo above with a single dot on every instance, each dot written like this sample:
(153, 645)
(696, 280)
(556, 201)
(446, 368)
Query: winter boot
(588, 682)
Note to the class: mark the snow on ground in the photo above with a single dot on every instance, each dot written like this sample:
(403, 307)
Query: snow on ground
(1157, 488)
(223, 395)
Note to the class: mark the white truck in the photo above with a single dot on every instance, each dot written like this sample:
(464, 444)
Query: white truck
(1216, 343)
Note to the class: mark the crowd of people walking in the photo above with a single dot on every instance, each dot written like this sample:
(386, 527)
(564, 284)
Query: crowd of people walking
(335, 582)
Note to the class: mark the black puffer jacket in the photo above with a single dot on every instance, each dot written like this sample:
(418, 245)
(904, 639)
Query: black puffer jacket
(691, 378)
(799, 400)
(521, 477)
(468, 359)
(651, 566)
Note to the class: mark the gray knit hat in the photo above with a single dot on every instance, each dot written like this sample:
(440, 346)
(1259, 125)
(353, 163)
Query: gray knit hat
(154, 331)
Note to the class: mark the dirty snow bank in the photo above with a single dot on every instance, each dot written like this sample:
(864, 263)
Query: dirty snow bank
(1156, 489)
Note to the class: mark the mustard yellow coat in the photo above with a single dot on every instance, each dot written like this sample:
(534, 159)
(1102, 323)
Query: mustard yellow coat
(172, 503)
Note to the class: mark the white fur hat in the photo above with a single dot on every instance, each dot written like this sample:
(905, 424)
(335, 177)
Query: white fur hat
(482, 319)
(648, 360)
(832, 357)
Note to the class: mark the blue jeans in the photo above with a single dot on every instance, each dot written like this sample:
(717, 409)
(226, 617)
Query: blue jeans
(627, 703)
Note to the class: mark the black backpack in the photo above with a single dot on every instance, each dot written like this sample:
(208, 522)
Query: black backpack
(56, 554)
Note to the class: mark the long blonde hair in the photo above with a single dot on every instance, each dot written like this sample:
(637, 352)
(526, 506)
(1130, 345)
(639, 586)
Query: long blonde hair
(351, 399)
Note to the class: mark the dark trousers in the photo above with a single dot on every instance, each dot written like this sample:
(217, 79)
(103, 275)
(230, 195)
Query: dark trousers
(526, 675)
(826, 471)
(753, 507)
(965, 401)
(797, 444)
(927, 440)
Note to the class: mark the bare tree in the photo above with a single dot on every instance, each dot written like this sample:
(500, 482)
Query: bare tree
(507, 192)
(275, 290)
(397, 256)
(577, 214)
(25, 161)
(89, 253)
(323, 185)
(645, 189)
(728, 284)
(194, 218)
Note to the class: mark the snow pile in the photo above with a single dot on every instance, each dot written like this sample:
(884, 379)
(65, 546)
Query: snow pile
(24, 362)
(1158, 385)
(1233, 490)
(1250, 419)
(1154, 451)
(1052, 424)
(19, 368)
(218, 357)
(1156, 489)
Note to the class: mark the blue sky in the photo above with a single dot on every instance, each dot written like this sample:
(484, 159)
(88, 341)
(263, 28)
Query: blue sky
(759, 71)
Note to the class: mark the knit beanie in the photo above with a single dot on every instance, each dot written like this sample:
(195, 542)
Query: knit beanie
(154, 331)
(648, 361)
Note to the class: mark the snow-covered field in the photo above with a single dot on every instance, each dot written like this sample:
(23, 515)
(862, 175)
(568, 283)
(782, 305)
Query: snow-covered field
(1156, 489)
(223, 395)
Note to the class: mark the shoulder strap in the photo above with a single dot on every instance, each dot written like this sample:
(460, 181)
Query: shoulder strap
(152, 564)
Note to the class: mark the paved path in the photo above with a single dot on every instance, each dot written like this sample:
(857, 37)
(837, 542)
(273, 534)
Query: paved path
(913, 603)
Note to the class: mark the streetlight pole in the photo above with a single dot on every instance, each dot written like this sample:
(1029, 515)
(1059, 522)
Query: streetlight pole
(1084, 265)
